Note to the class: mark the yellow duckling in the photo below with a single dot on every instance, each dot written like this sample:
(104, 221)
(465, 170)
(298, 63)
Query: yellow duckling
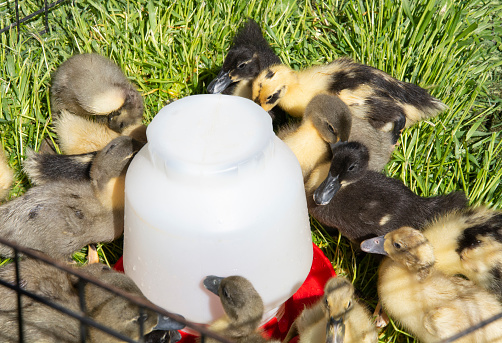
(337, 317)
(430, 304)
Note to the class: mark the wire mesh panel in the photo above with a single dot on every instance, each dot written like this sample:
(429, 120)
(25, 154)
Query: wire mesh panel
(12, 15)
(89, 320)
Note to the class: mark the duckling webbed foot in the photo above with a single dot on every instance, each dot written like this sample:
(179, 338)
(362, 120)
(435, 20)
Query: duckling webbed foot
(381, 318)
(92, 254)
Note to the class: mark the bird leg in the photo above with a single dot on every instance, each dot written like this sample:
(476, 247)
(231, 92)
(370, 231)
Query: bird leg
(381, 318)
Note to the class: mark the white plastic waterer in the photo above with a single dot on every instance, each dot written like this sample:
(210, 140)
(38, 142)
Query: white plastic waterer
(214, 192)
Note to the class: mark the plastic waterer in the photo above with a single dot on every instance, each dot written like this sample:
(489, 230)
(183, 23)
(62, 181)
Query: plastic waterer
(214, 192)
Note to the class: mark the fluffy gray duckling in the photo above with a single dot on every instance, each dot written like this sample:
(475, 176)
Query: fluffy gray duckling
(243, 308)
(44, 324)
(60, 217)
(336, 317)
(90, 85)
(361, 203)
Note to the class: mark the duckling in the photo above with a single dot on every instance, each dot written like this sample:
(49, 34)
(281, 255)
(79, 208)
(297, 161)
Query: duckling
(432, 305)
(243, 308)
(469, 242)
(90, 85)
(328, 120)
(249, 54)
(78, 135)
(361, 203)
(42, 323)
(60, 217)
(43, 168)
(388, 104)
(337, 317)
(6, 176)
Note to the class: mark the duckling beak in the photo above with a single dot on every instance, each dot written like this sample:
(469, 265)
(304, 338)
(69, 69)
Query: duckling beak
(374, 245)
(219, 83)
(212, 283)
(335, 330)
(168, 324)
(327, 190)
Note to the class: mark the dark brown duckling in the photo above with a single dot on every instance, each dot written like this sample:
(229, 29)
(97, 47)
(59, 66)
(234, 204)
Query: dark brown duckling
(44, 324)
(336, 317)
(62, 216)
(90, 85)
(361, 203)
(249, 54)
(243, 308)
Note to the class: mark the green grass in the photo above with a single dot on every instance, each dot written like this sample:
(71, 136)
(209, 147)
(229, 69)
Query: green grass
(173, 49)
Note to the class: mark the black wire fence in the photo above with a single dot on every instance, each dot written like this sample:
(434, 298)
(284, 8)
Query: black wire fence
(85, 320)
(17, 20)
(12, 8)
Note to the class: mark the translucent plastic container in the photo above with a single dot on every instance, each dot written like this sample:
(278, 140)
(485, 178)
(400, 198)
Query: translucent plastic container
(214, 192)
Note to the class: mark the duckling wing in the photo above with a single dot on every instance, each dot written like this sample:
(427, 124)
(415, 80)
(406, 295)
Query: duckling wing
(444, 321)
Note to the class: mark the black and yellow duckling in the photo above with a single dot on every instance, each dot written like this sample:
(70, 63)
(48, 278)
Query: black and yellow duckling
(432, 305)
(336, 317)
(361, 203)
(90, 85)
(44, 324)
(469, 242)
(387, 103)
(60, 217)
(6, 176)
(243, 308)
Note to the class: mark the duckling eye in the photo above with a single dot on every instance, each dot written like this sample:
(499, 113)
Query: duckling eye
(349, 304)
(397, 245)
(331, 129)
(226, 294)
(141, 318)
(242, 65)
(326, 302)
(352, 167)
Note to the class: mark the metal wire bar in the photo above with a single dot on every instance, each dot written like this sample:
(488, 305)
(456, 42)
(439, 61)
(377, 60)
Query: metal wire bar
(81, 296)
(19, 300)
(88, 321)
(28, 17)
(472, 328)
(88, 278)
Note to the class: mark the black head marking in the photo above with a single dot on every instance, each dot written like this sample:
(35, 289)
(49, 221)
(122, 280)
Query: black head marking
(270, 74)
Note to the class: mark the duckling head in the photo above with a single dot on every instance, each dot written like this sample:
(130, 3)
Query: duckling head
(249, 54)
(130, 113)
(330, 116)
(339, 300)
(241, 302)
(406, 246)
(242, 63)
(271, 85)
(349, 162)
